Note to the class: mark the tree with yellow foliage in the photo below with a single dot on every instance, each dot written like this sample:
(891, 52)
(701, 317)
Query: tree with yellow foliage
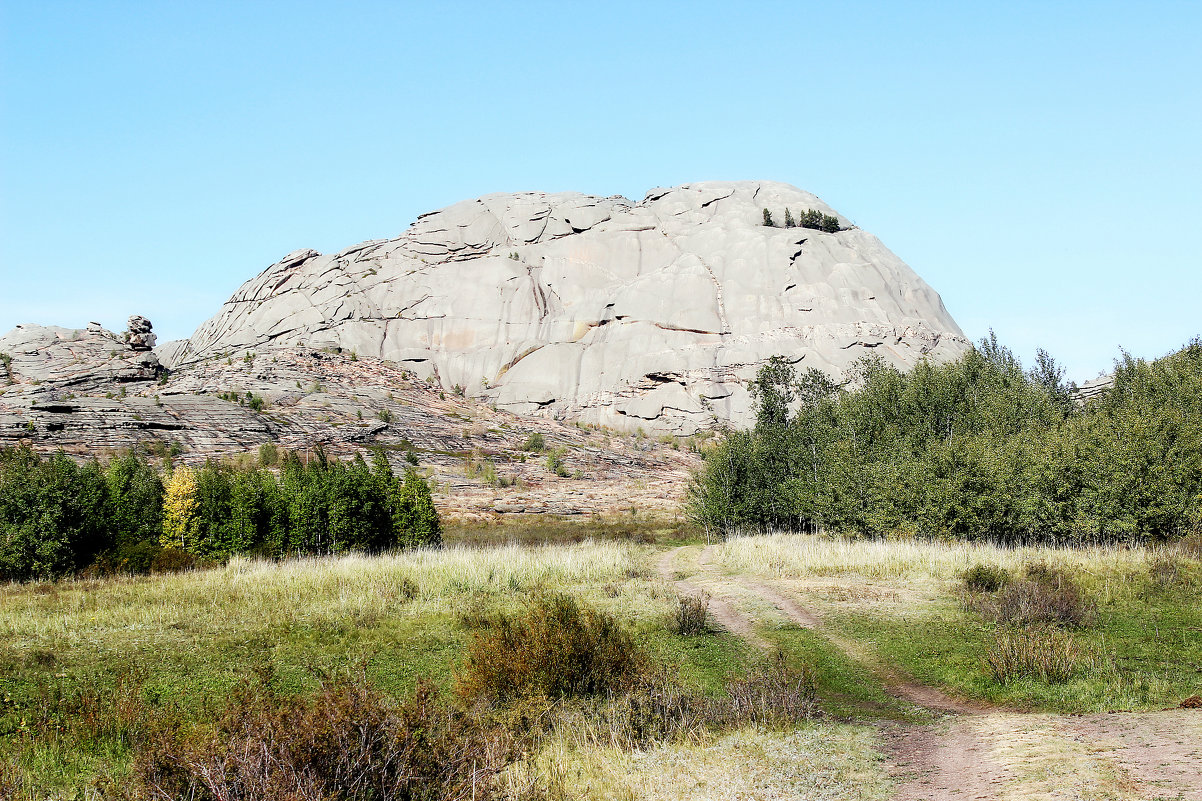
(180, 507)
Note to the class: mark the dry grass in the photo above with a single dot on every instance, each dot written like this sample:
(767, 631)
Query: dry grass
(258, 593)
(794, 556)
(1044, 762)
(812, 761)
(692, 614)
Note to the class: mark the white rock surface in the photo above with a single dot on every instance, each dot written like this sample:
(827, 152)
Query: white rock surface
(650, 314)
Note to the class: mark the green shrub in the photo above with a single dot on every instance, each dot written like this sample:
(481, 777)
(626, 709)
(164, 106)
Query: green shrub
(173, 560)
(534, 443)
(556, 464)
(133, 558)
(269, 454)
(555, 649)
(985, 578)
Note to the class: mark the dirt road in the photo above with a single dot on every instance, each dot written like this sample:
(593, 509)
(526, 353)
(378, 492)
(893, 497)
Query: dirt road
(974, 751)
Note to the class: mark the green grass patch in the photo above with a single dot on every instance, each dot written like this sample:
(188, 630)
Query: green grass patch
(705, 662)
(1149, 654)
(847, 689)
(72, 652)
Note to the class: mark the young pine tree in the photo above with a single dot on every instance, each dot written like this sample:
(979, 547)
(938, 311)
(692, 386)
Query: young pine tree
(415, 520)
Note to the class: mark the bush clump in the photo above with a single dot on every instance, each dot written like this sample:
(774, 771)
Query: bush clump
(985, 578)
(173, 560)
(1043, 595)
(535, 443)
(772, 694)
(1044, 654)
(555, 649)
(556, 464)
(980, 448)
(692, 614)
(345, 742)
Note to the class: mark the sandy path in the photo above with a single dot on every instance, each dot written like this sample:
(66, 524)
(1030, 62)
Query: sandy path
(949, 760)
(1161, 752)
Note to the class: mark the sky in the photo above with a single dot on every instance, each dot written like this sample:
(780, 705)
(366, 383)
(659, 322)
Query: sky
(1039, 164)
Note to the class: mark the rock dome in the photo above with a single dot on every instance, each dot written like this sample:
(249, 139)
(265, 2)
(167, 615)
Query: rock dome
(649, 314)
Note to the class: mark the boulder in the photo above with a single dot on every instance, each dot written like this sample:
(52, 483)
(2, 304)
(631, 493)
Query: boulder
(140, 337)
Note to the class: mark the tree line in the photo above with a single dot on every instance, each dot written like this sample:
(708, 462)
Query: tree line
(58, 516)
(978, 448)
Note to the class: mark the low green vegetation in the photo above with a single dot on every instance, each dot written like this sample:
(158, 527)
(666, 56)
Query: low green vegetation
(250, 399)
(555, 462)
(977, 449)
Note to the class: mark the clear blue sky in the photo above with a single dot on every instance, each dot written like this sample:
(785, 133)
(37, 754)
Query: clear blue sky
(1037, 163)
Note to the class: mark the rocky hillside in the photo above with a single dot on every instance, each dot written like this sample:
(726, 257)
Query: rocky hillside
(90, 392)
(632, 315)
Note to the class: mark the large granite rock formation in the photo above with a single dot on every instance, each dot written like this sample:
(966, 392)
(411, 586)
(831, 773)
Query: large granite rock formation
(650, 314)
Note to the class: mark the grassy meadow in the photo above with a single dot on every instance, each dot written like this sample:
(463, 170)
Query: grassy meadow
(87, 666)
(1139, 646)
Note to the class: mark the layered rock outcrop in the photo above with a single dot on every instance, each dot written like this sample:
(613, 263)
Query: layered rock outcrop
(649, 314)
(85, 392)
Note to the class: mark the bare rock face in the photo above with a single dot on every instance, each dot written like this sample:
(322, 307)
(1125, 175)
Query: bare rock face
(75, 360)
(651, 314)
